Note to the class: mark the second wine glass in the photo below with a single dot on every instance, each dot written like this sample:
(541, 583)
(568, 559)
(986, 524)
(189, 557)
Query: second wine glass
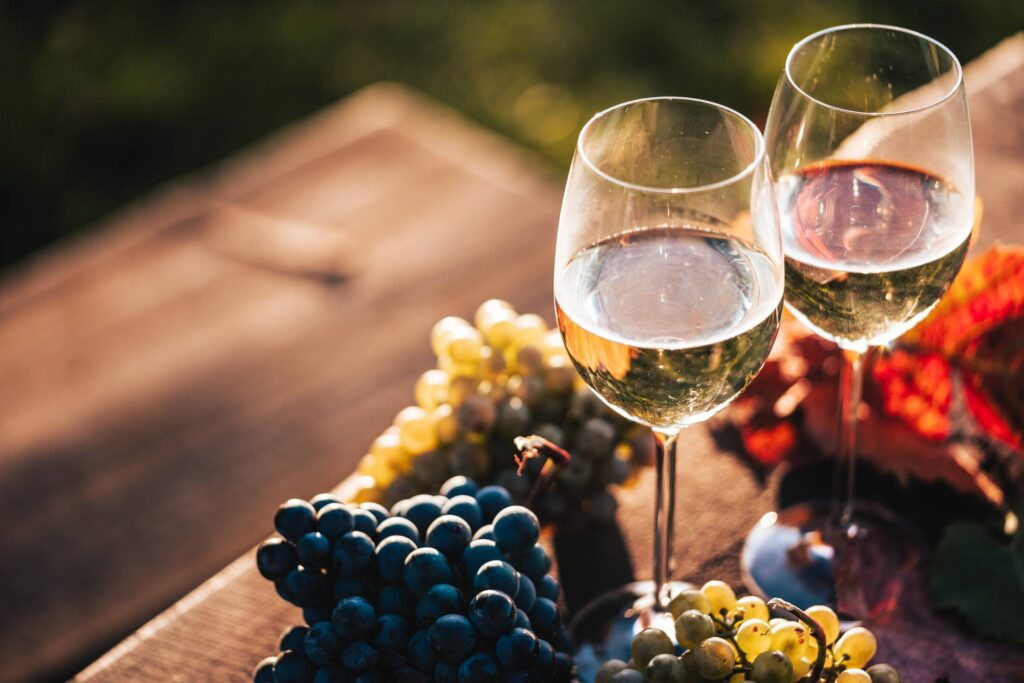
(668, 293)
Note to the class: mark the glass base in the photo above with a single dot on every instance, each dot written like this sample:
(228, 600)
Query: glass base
(605, 627)
(803, 555)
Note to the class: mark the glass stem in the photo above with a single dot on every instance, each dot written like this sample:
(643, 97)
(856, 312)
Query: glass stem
(851, 383)
(664, 512)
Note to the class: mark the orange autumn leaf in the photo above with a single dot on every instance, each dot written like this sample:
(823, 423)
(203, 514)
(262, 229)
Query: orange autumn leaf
(973, 336)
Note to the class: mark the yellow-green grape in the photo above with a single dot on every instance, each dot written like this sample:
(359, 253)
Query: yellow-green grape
(665, 668)
(431, 389)
(492, 363)
(776, 621)
(447, 423)
(693, 628)
(367, 494)
(752, 607)
(388, 448)
(738, 678)
(416, 430)
(754, 637)
(883, 673)
(462, 387)
(715, 658)
(372, 466)
(827, 620)
(771, 667)
(529, 331)
(790, 638)
(648, 644)
(800, 668)
(496, 319)
(456, 369)
(721, 596)
(487, 309)
(442, 329)
(463, 345)
(855, 648)
(853, 676)
(687, 600)
(609, 669)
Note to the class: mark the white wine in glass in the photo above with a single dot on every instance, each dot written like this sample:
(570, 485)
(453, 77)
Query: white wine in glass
(668, 292)
(869, 143)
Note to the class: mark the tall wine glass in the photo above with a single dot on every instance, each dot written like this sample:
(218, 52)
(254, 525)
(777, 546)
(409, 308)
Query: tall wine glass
(668, 292)
(869, 144)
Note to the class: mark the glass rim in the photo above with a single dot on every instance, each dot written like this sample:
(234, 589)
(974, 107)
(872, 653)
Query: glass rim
(898, 29)
(759, 147)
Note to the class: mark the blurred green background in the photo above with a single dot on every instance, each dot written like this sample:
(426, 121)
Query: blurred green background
(105, 99)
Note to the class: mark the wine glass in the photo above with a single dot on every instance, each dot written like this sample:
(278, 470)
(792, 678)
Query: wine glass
(668, 294)
(869, 144)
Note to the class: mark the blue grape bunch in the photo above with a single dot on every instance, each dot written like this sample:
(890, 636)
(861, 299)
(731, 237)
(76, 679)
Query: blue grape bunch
(450, 587)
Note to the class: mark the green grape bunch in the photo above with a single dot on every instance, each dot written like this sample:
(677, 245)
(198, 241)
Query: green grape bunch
(504, 375)
(722, 639)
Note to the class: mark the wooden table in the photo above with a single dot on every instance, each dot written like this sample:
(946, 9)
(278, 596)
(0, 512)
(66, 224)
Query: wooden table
(240, 338)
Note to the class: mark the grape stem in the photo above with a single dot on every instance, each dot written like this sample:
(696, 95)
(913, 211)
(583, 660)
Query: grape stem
(793, 612)
(534, 446)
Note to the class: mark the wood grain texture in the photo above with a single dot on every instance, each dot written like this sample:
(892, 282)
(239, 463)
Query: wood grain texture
(169, 381)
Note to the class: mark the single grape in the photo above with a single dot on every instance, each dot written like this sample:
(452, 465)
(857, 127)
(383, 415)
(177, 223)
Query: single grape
(398, 526)
(714, 657)
(516, 529)
(516, 649)
(464, 345)
(396, 599)
(293, 638)
(522, 620)
(527, 595)
(608, 670)
(421, 655)
(322, 644)
(492, 612)
(446, 672)
(424, 567)
(595, 439)
(480, 668)
(275, 558)
(665, 668)
(827, 620)
(294, 518)
(752, 607)
(422, 511)
(314, 550)
(754, 637)
(548, 588)
(431, 389)
(512, 418)
(476, 414)
(360, 656)
(687, 600)
(535, 562)
(544, 617)
(459, 486)
(497, 575)
(771, 667)
(264, 671)
(693, 628)
(853, 676)
(354, 618)
(615, 471)
(334, 520)
(465, 507)
(492, 500)
(628, 676)
(855, 648)
(883, 673)
(353, 553)
(293, 666)
(478, 553)
(440, 600)
(721, 597)
(391, 633)
(307, 587)
(449, 535)
(442, 330)
(484, 533)
(417, 431)
(790, 638)
(649, 643)
(364, 521)
(452, 637)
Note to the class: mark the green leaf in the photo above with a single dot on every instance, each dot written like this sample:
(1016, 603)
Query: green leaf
(977, 574)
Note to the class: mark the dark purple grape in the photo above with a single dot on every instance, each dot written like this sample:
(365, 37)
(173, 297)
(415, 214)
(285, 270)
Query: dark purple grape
(360, 656)
(307, 587)
(322, 645)
(452, 637)
(449, 535)
(535, 562)
(516, 529)
(294, 518)
(595, 439)
(484, 533)
(492, 500)
(379, 512)
(480, 668)
(516, 649)
(392, 633)
(275, 558)
(314, 550)
(396, 599)
(440, 600)
(354, 618)
(314, 615)
(365, 521)
(334, 520)
(293, 638)
(421, 655)
(293, 666)
(353, 553)
(391, 555)
(548, 588)
(527, 594)
(322, 500)
(422, 511)
(465, 507)
(398, 526)
(351, 586)
(459, 486)
(492, 612)
(264, 671)
(499, 576)
(424, 567)
(544, 617)
(477, 554)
